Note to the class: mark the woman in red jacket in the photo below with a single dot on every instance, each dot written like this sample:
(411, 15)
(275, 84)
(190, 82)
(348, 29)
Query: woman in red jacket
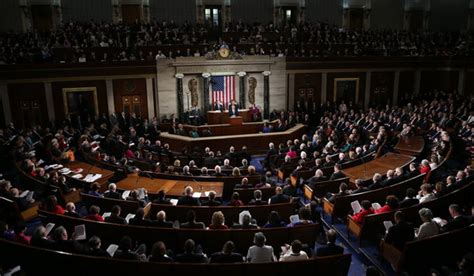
(366, 210)
(391, 203)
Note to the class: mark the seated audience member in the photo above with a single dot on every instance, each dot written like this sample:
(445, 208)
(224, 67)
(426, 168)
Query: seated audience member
(428, 228)
(134, 197)
(279, 197)
(188, 199)
(401, 232)
(51, 205)
(263, 183)
(40, 239)
(390, 180)
(412, 170)
(191, 222)
(126, 251)
(21, 202)
(257, 198)
(94, 245)
(304, 214)
(295, 253)
(94, 214)
(331, 248)
(337, 172)
(161, 220)
(360, 187)
(212, 201)
(115, 216)
(376, 182)
(410, 198)
(366, 210)
(259, 252)
(458, 220)
(425, 193)
(186, 171)
(244, 183)
(235, 200)
(246, 223)
(95, 190)
(343, 190)
(139, 218)
(61, 240)
(161, 198)
(218, 171)
(227, 255)
(189, 255)
(274, 220)
(71, 210)
(217, 221)
(20, 235)
(112, 192)
(391, 203)
(425, 166)
(158, 253)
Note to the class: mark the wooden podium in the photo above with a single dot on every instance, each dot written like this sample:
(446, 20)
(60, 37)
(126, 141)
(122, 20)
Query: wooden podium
(235, 121)
(218, 117)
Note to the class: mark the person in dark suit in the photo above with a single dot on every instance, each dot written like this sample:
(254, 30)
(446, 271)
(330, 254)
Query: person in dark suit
(212, 201)
(330, 248)
(125, 250)
(318, 177)
(257, 198)
(360, 187)
(227, 255)
(40, 239)
(191, 222)
(139, 218)
(158, 253)
(189, 255)
(161, 220)
(246, 223)
(161, 198)
(94, 248)
(410, 198)
(218, 106)
(71, 210)
(115, 216)
(233, 110)
(188, 199)
(112, 192)
(401, 232)
(376, 182)
(390, 180)
(337, 172)
(458, 220)
(279, 197)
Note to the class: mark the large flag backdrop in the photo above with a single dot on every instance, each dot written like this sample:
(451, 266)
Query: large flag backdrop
(223, 89)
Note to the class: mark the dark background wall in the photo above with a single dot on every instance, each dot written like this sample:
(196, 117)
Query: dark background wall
(85, 10)
(10, 15)
(177, 10)
(387, 14)
(251, 11)
(329, 11)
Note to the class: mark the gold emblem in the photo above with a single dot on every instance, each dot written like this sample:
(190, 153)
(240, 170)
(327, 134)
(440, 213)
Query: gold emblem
(224, 52)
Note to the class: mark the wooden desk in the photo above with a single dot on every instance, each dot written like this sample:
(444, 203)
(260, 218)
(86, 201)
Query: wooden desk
(380, 165)
(255, 142)
(90, 169)
(412, 145)
(218, 117)
(172, 188)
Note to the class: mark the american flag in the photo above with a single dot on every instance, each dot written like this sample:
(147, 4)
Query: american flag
(223, 89)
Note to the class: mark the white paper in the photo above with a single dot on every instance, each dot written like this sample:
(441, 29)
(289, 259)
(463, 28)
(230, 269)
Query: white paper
(25, 193)
(174, 201)
(356, 206)
(206, 194)
(29, 196)
(387, 224)
(294, 219)
(197, 195)
(439, 221)
(106, 215)
(376, 206)
(241, 216)
(77, 176)
(141, 193)
(41, 161)
(49, 227)
(129, 216)
(111, 249)
(80, 231)
(125, 194)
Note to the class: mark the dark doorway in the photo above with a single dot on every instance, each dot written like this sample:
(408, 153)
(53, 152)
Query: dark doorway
(131, 13)
(42, 17)
(289, 14)
(356, 18)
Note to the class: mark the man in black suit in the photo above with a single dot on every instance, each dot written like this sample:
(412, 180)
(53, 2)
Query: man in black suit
(218, 106)
(189, 255)
(337, 172)
(227, 255)
(188, 199)
(139, 218)
(330, 248)
(410, 198)
(279, 197)
(389, 180)
(233, 110)
(191, 222)
(459, 221)
(318, 177)
(115, 216)
(161, 220)
(360, 187)
(400, 233)
(112, 192)
(212, 200)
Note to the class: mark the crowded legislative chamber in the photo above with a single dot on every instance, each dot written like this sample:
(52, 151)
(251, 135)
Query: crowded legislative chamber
(237, 137)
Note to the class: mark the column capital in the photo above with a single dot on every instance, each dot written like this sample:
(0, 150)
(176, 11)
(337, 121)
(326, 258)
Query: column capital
(206, 75)
(179, 76)
(266, 73)
(241, 74)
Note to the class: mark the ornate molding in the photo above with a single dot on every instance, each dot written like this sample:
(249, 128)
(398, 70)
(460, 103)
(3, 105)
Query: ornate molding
(206, 75)
(241, 74)
(179, 76)
(266, 73)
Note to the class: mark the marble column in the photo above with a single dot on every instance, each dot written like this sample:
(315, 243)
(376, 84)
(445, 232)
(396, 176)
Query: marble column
(242, 89)
(324, 87)
(179, 91)
(49, 101)
(368, 80)
(109, 86)
(396, 83)
(205, 92)
(266, 94)
(149, 98)
(461, 82)
(291, 91)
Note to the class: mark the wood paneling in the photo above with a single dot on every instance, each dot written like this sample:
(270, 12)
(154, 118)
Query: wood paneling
(308, 88)
(330, 85)
(131, 13)
(130, 89)
(445, 80)
(406, 84)
(28, 104)
(381, 88)
(42, 17)
(57, 88)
